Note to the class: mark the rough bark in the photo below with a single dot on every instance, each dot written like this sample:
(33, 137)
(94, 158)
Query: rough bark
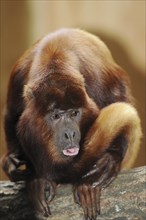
(124, 199)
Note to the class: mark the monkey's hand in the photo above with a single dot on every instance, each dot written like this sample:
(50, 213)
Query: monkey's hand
(89, 198)
(87, 193)
(15, 167)
(41, 192)
(104, 171)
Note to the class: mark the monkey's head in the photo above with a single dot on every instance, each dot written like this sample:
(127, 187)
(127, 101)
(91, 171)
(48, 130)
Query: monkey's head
(62, 114)
(58, 111)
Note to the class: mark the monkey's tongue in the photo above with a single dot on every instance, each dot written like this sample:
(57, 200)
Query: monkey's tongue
(71, 151)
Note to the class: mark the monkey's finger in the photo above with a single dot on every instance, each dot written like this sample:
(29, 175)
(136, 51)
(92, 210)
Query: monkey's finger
(37, 195)
(88, 201)
(76, 196)
(95, 202)
(101, 180)
(108, 175)
(50, 190)
(99, 167)
(83, 204)
(15, 160)
(85, 209)
(108, 166)
(101, 163)
(98, 194)
(42, 198)
(111, 175)
(42, 208)
(45, 208)
(8, 165)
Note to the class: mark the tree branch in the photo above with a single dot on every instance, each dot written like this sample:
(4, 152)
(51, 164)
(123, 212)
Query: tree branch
(124, 199)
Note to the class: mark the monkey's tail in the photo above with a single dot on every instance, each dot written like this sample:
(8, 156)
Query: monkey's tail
(114, 119)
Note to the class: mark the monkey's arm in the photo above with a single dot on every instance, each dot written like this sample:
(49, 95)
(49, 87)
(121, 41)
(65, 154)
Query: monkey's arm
(14, 159)
(114, 140)
(41, 192)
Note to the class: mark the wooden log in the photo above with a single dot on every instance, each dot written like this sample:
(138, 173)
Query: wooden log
(124, 199)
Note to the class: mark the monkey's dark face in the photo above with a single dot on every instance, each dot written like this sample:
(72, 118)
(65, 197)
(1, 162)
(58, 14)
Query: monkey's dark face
(66, 127)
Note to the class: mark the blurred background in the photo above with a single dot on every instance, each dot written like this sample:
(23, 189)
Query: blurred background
(120, 24)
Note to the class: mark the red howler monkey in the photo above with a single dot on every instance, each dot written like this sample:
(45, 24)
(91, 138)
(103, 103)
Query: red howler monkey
(69, 119)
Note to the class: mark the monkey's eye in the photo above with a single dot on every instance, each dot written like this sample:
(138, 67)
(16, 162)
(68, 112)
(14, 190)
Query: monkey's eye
(74, 113)
(56, 116)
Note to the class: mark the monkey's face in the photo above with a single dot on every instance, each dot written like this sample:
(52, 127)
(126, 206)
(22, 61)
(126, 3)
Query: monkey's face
(61, 116)
(65, 125)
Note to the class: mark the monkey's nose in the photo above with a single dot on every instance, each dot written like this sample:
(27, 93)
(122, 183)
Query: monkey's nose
(69, 135)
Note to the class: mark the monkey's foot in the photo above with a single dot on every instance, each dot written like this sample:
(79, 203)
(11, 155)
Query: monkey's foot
(12, 166)
(109, 170)
(103, 172)
(89, 198)
(41, 192)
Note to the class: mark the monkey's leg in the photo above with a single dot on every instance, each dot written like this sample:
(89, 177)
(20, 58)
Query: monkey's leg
(14, 162)
(41, 191)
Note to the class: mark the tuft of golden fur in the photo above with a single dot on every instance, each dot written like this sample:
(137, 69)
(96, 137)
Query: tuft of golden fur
(114, 119)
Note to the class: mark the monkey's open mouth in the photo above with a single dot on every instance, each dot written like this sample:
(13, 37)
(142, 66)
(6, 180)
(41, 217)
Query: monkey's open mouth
(72, 151)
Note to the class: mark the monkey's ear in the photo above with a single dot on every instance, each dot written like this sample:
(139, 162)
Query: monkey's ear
(28, 92)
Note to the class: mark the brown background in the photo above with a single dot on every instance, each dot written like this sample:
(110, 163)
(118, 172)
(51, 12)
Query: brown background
(121, 24)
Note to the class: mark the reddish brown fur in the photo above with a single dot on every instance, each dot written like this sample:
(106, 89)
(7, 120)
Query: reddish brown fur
(67, 69)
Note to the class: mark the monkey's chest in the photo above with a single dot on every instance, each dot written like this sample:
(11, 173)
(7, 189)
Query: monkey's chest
(66, 175)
